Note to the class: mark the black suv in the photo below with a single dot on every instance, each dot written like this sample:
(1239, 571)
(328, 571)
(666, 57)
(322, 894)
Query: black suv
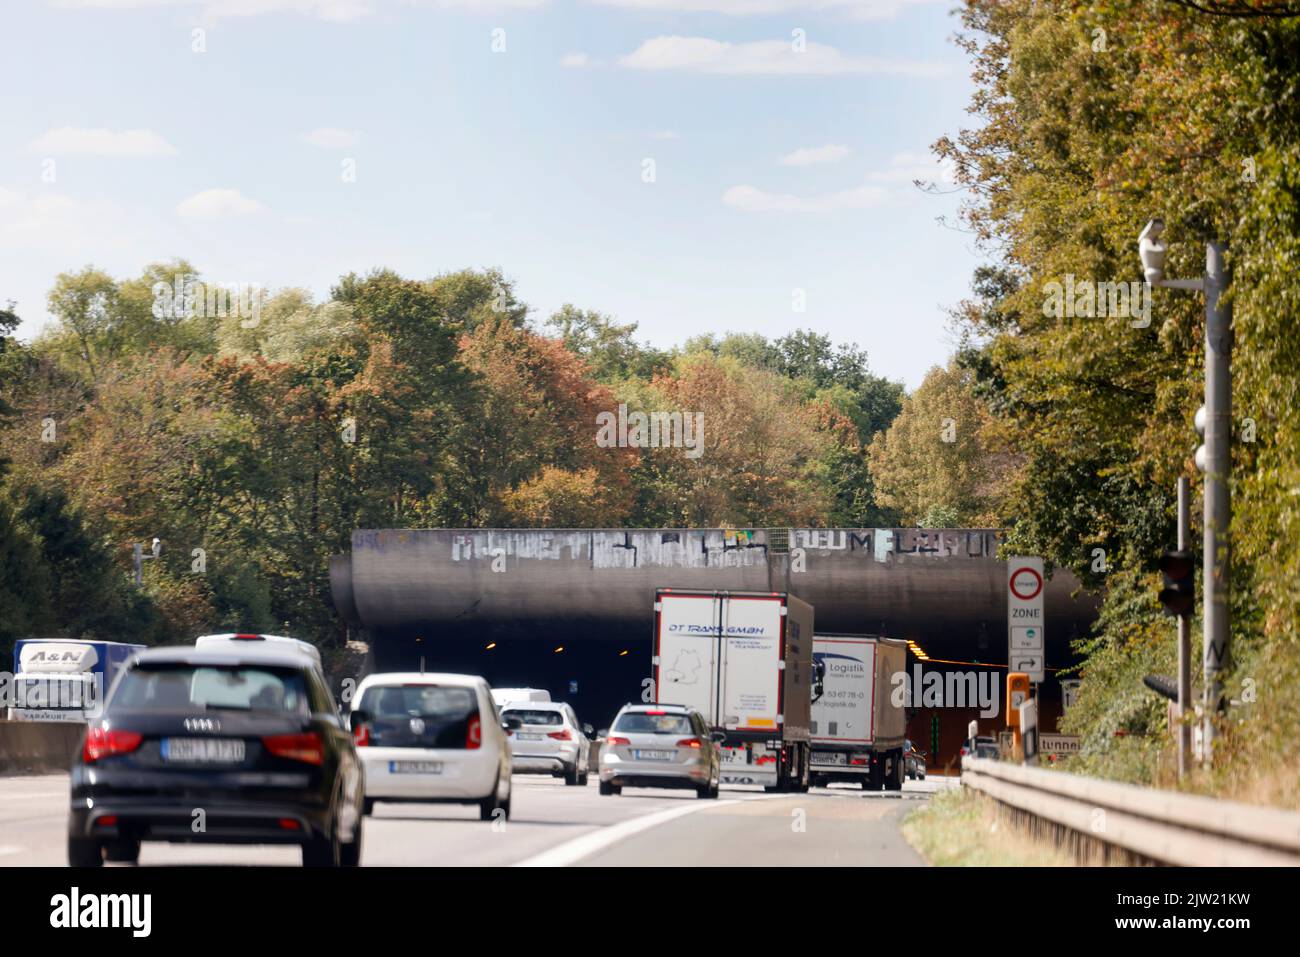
(227, 743)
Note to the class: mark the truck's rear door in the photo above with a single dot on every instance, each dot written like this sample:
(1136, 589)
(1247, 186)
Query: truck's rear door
(843, 714)
(686, 652)
(752, 663)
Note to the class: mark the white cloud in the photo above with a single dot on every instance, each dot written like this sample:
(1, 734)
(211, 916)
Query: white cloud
(340, 11)
(750, 199)
(907, 167)
(49, 221)
(858, 9)
(575, 61)
(215, 203)
(665, 135)
(764, 58)
(99, 142)
(329, 138)
(811, 156)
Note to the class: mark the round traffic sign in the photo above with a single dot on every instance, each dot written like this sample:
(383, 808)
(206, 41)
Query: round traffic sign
(1026, 583)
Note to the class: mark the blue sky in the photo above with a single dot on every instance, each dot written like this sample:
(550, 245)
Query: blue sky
(775, 169)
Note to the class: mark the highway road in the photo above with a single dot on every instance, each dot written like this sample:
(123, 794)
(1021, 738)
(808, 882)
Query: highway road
(553, 825)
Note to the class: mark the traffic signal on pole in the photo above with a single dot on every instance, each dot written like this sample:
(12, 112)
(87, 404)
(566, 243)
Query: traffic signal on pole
(1179, 594)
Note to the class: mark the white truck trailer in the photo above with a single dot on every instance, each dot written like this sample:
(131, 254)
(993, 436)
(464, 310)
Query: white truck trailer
(859, 719)
(744, 661)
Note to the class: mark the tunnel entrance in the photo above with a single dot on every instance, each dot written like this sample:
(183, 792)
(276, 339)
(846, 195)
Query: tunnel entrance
(595, 677)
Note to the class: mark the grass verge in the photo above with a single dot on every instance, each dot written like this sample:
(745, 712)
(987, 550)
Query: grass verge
(961, 828)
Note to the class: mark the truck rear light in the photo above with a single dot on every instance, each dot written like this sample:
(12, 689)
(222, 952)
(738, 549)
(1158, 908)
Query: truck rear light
(615, 741)
(474, 733)
(103, 743)
(561, 735)
(765, 759)
(361, 736)
(307, 747)
(689, 743)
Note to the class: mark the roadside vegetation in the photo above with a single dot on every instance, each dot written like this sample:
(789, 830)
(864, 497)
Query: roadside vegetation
(961, 828)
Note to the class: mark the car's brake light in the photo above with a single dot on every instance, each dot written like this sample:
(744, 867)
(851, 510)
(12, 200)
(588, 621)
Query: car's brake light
(656, 712)
(689, 743)
(249, 638)
(307, 748)
(561, 735)
(103, 743)
(361, 735)
(617, 741)
(474, 733)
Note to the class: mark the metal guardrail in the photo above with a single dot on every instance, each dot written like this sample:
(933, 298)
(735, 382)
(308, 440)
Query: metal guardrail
(1160, 826)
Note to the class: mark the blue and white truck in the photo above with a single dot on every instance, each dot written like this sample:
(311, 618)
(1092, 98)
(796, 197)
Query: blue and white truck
(58, 680)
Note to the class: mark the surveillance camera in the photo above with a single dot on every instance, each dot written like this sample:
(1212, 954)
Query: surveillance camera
(1152, 251)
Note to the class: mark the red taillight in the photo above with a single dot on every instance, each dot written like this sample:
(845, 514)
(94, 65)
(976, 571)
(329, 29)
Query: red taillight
(103, 743)
(561, 735)
(249, 638)
(108, 820)
(656, 712)
(288, 824)
(689, 743)
(361, 735)
(307, 748)
(474, 733)
(765, 759)
(612, 742)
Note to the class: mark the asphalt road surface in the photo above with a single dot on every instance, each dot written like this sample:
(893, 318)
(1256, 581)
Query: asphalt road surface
(552, 825)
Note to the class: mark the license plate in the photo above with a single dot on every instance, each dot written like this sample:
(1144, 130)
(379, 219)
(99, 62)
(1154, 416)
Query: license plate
(828, 757)
(734, 756)
(654, 755)
(414, 767)
(203, 750)
(530, 737)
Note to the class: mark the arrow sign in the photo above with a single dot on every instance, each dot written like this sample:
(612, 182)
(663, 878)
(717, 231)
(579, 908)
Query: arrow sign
(1026, 637)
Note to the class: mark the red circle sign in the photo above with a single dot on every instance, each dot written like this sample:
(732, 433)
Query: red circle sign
(1033, 588)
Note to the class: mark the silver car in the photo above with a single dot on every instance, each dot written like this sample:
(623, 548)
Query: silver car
(549, 740)
(661, 746)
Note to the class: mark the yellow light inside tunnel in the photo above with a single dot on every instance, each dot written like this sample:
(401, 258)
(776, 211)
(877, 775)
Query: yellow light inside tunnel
(622, 653)
(917, 650)
(490, 645)
(559, 649)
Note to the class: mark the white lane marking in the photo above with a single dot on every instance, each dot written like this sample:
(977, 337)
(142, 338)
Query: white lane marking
(575, 850)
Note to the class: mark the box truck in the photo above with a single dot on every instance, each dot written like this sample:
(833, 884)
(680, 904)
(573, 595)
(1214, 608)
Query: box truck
(859, 718)
(57, 680)
(744, 661)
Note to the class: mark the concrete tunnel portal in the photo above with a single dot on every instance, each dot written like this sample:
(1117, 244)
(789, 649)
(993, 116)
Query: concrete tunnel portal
(571, 610)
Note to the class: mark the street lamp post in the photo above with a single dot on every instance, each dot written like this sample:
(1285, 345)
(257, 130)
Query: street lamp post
(139, 558)
(1214, 458)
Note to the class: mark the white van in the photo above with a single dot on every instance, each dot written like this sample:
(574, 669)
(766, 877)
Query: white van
(505, 696)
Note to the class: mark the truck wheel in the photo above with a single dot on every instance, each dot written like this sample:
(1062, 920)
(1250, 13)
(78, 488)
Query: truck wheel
(894, 779)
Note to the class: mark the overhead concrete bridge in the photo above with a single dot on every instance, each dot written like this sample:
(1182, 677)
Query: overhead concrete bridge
(446, 595)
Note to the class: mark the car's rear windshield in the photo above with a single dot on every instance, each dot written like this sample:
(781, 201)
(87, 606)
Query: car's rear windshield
(183, 687)
(533, 715)
(418, 701)
(645, 722)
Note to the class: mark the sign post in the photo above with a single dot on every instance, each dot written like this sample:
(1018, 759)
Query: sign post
(1027, 645)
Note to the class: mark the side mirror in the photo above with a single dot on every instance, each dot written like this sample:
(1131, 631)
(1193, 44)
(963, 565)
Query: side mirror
(511, 723)
(717, 737)
(357, 718)
(588, 730)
